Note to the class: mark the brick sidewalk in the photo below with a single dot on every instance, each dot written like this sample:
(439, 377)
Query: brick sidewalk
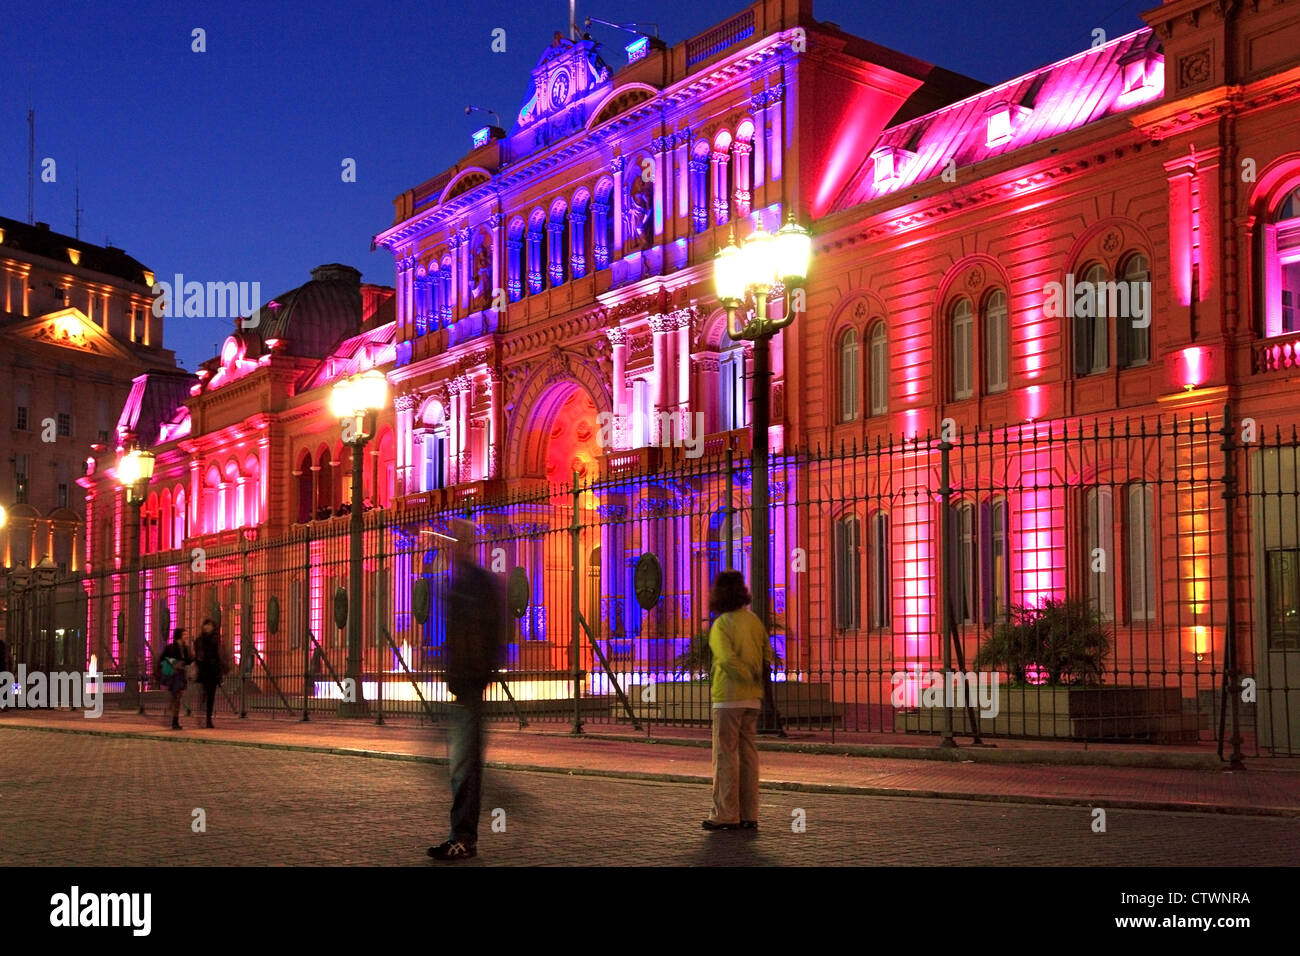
(1268, 787)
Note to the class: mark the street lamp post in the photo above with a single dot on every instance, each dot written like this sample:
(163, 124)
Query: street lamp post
(355, 402)
(754, 270)
(134, 471)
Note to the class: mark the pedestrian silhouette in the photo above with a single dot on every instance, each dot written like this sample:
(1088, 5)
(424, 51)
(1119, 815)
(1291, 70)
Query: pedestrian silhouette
(475, 616)
(212, 665)
(740, 649)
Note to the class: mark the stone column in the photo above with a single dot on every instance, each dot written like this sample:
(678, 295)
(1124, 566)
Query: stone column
(662, 192)
(616, 166)
(683, 360)
(776, 145)
(498, 265)
(618, 387)
(681, 159)
(758, 106)
(494, 390)
(404, 406)
(660, 326)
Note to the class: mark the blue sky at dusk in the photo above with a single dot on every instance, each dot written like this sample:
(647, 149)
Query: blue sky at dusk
(225, 165)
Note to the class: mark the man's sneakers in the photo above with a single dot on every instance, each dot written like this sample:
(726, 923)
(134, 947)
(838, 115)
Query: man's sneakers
(453, 850)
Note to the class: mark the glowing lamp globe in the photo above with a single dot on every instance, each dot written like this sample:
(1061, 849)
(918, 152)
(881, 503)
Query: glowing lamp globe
(341, 402)
(793, 244)
(371, 391)
(729, 275)
(759, 257)
(135, 467)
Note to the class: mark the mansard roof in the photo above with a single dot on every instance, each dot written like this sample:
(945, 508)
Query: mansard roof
(40, 240)
(1051, 100)
(153, 402)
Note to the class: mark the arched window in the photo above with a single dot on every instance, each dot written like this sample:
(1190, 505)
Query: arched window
(848, 368)
(699, 171)
(181, 527)
(557, 229)
(149, 523)
(848, 572)
(1281, 265)
(578, 241)
(251, 482)
(721, 178)
(878, 373)
(213, 514)
(422, 286)
(385, 465)
(995, 342)
(1133, 321)
(602, 223)
(536, 226)
(165, 520)
(961, 345)
(742, 164)
(433, 472)
(514, 259)
(448, 293)
(1091, 331)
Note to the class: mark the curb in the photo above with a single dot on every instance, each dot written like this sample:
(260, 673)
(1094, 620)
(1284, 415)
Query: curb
(960, 754)
(1167, 806)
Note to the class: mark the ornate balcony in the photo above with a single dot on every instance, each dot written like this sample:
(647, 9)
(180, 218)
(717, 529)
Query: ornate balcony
(1277, 354)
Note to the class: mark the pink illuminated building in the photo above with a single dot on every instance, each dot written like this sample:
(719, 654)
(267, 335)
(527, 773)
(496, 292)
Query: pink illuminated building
(560, 279)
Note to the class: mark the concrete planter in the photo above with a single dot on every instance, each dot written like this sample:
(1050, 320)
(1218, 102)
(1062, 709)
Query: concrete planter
(1153, 714)
(690, 701)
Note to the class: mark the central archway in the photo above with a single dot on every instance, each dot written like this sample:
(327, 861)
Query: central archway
(554, 423)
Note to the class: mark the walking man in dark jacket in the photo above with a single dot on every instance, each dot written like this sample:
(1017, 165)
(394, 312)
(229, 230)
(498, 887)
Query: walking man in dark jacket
(475, 616)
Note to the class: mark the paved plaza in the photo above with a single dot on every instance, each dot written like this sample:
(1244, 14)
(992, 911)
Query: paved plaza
(98, 799)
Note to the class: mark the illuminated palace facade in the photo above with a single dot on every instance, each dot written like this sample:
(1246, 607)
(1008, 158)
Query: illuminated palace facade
(560, 277)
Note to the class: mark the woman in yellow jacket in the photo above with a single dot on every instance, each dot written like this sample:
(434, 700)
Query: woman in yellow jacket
(740, 649)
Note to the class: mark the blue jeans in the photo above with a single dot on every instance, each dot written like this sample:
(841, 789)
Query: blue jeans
(466, 766)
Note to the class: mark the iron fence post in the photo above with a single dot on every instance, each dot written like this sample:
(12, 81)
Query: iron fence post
(1231, 677)
(945, 576)
(574, 591)
(306, 621)
(379, 664)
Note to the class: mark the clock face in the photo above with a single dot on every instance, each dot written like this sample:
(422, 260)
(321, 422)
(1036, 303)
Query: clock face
(560, 88)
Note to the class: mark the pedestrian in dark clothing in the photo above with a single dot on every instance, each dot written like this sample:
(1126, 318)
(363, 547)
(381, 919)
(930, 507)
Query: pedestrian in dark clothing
(173, 660)
(475, 615)
(212, 665)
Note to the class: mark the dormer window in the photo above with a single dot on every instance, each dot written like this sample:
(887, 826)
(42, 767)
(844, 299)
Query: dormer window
(890, 164)
(1142, 76)
(1003, 120)
(74, 256)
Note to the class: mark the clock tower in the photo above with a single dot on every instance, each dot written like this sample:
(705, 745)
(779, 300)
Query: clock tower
(569, 79)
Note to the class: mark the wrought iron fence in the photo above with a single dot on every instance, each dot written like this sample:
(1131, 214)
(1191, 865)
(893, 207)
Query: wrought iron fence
(1133, 580)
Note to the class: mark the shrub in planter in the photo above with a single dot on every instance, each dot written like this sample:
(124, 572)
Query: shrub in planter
(697, 659)
(1067, 640)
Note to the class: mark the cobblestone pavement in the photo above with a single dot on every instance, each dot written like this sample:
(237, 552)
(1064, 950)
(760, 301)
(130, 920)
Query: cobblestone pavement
(93, 800)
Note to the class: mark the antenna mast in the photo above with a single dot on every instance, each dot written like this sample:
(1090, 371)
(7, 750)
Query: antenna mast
(31, 165)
